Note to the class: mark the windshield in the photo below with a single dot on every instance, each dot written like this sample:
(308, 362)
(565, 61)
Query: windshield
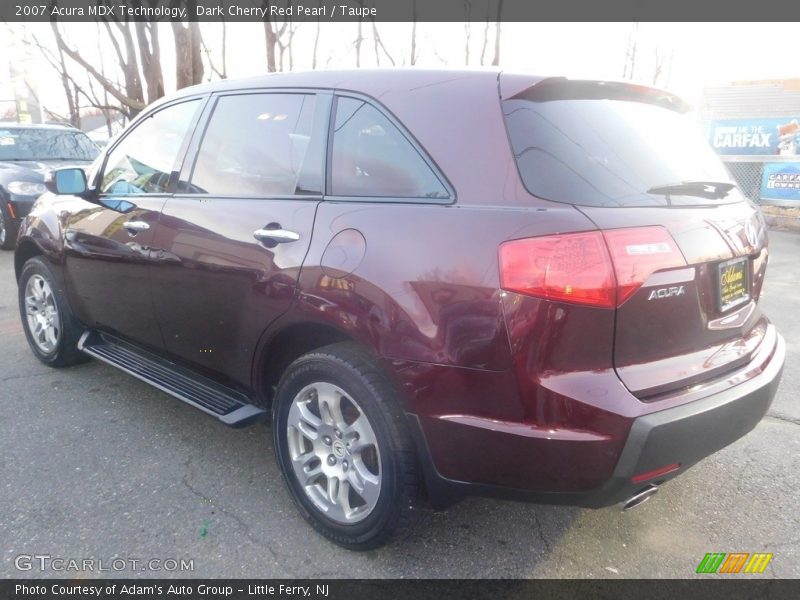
(20, 143)
(607, 152)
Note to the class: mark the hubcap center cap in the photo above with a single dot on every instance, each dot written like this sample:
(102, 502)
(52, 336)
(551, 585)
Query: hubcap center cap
(338, 449)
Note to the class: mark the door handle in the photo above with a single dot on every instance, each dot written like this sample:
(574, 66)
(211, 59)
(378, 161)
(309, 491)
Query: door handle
(278, 236)
(135, 227)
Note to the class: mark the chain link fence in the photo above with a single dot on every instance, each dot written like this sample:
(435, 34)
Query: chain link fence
(748, 176)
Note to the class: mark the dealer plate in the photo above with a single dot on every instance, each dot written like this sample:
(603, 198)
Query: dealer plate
(733, 283)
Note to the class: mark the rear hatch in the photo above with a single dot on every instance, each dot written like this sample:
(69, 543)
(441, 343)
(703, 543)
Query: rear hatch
(688, 250)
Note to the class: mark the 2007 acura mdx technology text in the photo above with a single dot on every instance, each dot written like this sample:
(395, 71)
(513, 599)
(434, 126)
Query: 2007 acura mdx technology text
(435, 282)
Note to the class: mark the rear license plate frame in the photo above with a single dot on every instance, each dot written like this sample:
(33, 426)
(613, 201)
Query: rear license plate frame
(737, 293)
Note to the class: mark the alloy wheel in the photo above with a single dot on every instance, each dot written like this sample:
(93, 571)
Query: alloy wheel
(334, 452)
(41, 313)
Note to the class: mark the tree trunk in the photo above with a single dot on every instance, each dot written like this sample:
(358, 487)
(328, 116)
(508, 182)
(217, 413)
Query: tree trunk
(359, 39)
(150, 57)
(272, 40)
(414, 33)
(498, 21)
(188, 58)
(316, 41)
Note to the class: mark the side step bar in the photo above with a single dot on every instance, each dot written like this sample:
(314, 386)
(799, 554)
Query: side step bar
(229, 406)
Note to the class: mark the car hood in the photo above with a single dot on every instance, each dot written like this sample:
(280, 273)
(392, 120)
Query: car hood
(34, 170)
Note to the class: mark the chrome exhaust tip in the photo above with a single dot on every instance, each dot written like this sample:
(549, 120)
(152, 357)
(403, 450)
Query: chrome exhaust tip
(640, 497)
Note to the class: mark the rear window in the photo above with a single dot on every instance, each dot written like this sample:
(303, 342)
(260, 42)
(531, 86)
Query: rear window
(609, 152)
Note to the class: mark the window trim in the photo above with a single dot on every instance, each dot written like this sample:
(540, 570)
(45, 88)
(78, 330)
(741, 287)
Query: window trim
(415, 144)
(180, 157)
(321, 111)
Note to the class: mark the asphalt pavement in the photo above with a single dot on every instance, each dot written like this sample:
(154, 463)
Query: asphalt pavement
(97, 465)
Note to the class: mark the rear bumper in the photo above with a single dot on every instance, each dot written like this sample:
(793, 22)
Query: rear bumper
(683, 434)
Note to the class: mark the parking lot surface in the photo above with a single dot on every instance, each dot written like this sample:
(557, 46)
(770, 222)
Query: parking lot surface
(96, 464)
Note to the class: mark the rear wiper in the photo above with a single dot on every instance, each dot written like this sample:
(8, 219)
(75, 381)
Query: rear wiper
(713, 190)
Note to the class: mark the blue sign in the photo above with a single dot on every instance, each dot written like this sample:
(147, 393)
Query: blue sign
(781, 181)
(777, 137)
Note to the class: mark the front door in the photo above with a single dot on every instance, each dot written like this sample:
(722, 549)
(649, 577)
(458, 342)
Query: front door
(231, 242)
(109, 241)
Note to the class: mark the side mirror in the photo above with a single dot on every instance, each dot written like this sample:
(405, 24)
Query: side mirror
(67, 181)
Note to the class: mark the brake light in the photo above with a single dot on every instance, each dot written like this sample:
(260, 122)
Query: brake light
(573, 267)
(594, 268)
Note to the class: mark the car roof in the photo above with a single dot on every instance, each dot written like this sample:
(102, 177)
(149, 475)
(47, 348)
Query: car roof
(372, 82)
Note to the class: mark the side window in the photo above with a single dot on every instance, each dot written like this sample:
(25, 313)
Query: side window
(145, 158)
(258, 145)
(371, 157)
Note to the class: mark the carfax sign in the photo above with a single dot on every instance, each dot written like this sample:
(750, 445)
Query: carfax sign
(780, 181)
(777, 136)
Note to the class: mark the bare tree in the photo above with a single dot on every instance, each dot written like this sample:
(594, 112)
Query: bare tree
(378, 44)
(150, 57)
(359, 38)
(223, 72)
(56, 60)
(279, 39)
(630, 53)
(316, 40)
(414, 33)
(130, 96)
(498, 21)
(188, 57)
(73, 90)
(662, 66)
(485, 32)
(467, 29)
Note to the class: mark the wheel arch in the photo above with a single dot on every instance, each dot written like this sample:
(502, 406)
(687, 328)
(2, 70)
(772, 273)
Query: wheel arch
(26, 250)
(287, 344)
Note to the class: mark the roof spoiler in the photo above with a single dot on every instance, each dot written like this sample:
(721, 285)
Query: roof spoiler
(561, 88)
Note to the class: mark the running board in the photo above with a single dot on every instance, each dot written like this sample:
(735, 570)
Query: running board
(229, 406)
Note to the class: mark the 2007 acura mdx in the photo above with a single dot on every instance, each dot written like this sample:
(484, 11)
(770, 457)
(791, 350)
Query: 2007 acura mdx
(435, 282)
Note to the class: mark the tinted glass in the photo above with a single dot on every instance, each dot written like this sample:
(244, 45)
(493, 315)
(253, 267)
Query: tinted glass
(18, 143)
(371, 157)
(145, 158)
(608, 152)
(257, 144)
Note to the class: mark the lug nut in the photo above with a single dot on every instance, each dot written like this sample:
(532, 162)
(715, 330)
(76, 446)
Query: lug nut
(345, 466)
(337, 433)
(331, 460)
(326, 439)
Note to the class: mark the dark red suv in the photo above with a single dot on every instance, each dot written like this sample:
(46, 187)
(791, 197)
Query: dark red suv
(435, 282)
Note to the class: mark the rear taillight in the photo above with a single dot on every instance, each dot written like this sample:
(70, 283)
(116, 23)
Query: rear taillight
(594, 268)
(573, 267)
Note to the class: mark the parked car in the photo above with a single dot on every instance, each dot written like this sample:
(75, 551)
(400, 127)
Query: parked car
(26, 154)
(436, 283)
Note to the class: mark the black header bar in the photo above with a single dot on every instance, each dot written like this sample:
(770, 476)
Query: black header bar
(399, 10)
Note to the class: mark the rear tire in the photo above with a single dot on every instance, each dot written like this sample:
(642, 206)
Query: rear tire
(51, 329)
(338, 427)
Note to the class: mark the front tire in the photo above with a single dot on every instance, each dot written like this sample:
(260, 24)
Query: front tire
(343, 447)
(50, 328)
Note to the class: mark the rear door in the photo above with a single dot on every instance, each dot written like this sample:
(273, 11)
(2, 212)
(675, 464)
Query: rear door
(689, 251)
(231, 241)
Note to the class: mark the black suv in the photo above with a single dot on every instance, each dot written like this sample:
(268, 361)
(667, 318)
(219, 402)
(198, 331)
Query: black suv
(27, 152)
